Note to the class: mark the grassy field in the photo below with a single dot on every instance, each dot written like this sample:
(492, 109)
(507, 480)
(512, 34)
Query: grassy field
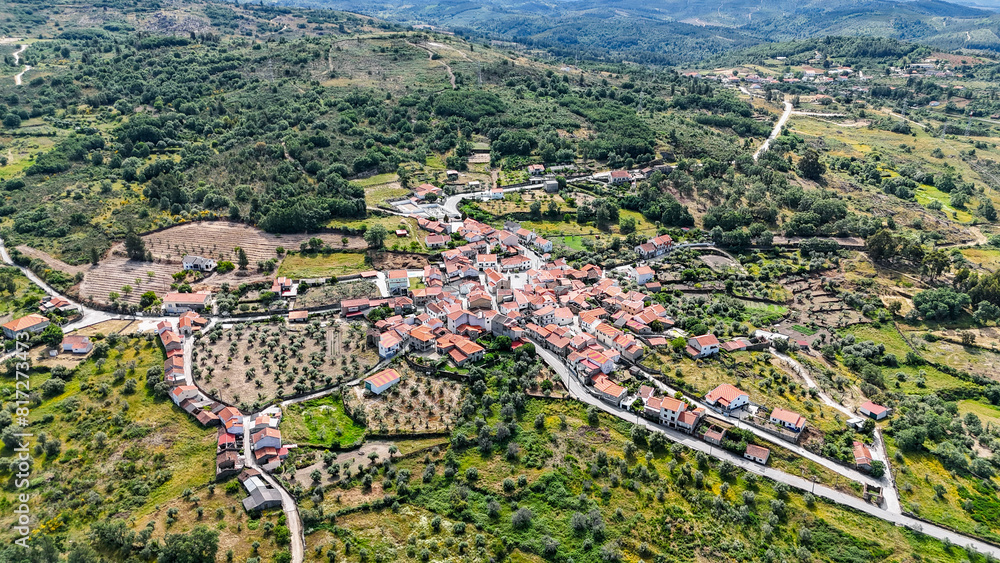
(125, 454)
(321, 422)
(771, 385)
(916, 479)
(25, 297)
(413, 241)
(638, 504)
(894, 344)
(319, 265)
(985, 257)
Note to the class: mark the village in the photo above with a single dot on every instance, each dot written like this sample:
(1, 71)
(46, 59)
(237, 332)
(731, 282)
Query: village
(495, 289)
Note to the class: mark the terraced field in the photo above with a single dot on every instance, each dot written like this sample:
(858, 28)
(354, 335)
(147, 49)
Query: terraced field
(218, 239)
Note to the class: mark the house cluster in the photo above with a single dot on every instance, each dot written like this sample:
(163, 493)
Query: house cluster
(265, 438)
(656, 246)
(58, 304)
(671, 412)
(495, 284)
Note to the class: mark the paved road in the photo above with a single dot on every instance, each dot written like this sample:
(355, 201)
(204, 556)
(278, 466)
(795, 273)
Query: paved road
(576, 389)
(775, 132)
(287, 502)
(878, 448)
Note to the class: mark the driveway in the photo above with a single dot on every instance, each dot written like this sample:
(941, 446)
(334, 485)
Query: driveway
(287, 502)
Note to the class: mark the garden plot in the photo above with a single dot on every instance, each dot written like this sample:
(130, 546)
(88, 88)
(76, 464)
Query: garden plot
(817, 307)
(417, 404)
(321, 295)
(127, 278)
(218, 239)
(253, 364)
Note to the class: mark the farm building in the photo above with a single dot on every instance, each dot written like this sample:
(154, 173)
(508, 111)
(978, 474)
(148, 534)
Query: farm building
(870, 409)
(382, 381)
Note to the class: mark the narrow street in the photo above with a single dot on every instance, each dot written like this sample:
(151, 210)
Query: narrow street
(287, 502)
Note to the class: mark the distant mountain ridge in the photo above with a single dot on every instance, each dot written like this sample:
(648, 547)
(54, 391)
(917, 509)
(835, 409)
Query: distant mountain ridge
(682, 31)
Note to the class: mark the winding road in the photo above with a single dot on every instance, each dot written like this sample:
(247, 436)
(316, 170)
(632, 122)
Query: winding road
(577, 390)
(17, 59)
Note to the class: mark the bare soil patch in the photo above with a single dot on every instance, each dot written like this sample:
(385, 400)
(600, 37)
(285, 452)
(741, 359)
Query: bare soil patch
(394, 260)
(218, 239)
(319, 296)
(112, 274)
(53, 262)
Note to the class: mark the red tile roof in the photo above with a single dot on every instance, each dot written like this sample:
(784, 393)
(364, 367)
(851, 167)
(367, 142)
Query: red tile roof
(383, 377)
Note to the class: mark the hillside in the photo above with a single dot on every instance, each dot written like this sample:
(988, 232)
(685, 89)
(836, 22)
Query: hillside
(289, 142)
(678, 32)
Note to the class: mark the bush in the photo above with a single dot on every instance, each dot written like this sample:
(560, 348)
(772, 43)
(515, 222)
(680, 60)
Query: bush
(522, 518)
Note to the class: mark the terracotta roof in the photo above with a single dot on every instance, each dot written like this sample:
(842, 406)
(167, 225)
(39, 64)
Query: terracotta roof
(25, 322)
(862, 455)
(724, 393)
(706, 340)
(187, 298)
(788, 417)
(383, 377)
(757, 451)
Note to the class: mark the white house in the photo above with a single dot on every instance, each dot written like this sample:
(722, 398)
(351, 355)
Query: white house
(757, 453)
(182, 393)
(643, 275)
(727, 397)
(382, 381)
(77, 344)
(177, 303)
(389, 344)
(27, 324)
(703, 346)
(620, 177)
(788, 419)
(397, 281)
(198, 263)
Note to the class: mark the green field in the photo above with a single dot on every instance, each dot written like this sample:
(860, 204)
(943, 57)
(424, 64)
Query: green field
(307, 266)
(934, 378)
(320, 422)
